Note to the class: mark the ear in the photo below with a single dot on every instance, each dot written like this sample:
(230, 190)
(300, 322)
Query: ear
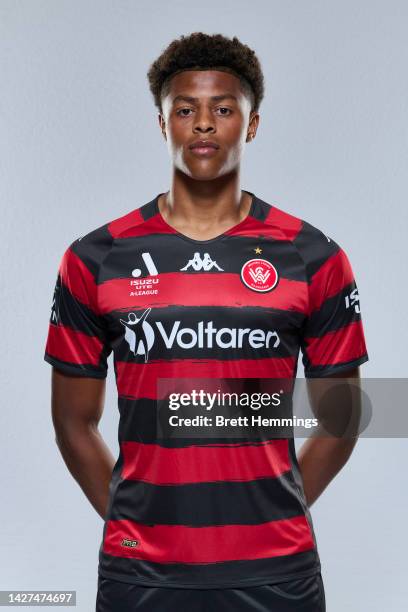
(162, 124)
(252, 126)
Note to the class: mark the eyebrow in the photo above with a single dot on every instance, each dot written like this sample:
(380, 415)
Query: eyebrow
(213, 98)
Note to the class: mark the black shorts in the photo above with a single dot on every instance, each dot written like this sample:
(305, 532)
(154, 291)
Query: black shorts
(300, 595)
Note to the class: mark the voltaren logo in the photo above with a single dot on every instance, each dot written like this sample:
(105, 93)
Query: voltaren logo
(140, 335)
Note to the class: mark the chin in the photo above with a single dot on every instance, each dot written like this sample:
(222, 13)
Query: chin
(204, 176)
(201, 174)
(204, 173)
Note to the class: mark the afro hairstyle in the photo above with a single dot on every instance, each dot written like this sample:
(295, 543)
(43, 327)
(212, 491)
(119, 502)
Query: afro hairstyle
(199, 51)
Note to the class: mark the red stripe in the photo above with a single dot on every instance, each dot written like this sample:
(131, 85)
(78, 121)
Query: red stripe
(73, 346)
(183, 544)
(223, 289)
(332, 277)
(119, 227)
(338, 346)
(136, 380)
(140, 227)
(285, 226)
(159, 465)
(278, 225)
(78, 279)
(253, 228)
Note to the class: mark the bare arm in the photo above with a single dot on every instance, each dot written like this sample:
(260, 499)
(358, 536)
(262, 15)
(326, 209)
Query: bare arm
(77, 406)
(321, 458)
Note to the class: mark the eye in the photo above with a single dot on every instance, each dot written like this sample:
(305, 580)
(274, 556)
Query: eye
(180, 112)
(223, 108)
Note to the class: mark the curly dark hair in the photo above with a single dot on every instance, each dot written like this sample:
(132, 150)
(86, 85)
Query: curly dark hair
(199, 51)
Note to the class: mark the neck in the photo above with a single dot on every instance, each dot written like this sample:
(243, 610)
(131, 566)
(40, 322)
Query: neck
(204, 205)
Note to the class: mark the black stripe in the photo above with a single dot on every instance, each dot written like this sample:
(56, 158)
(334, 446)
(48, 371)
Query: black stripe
(149, 209)
(76, 315)
(327, 370)
(93, 248)
(286, 324)
(332, 314)
(260, 209)
(170, 254)
(210, 575)
(138, 423)
(81, 369)
(314, 247)
(208, 503)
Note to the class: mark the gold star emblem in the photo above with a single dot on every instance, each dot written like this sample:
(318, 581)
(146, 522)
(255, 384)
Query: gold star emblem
(258, 250)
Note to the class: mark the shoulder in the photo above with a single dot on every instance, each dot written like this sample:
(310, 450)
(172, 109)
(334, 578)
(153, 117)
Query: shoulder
(313, 245)
(93, 247)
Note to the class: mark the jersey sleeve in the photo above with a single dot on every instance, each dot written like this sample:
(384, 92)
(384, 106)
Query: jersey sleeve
(333, 336)
(77, 341)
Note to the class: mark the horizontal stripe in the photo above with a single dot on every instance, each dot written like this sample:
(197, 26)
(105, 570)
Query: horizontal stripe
(262, 216)
(121, 225)
(253, 228)
(73, 346)
(187, 332)
(180, 544)
(332, 314)
(208, 503)
(151, 226)
(82, 369)
(138, 423)
(201, 289)
(331, 278)
(93, 248)
(337, 347)
(136, 380)
(285, 225)
(73, 314)
(229, 255)
(156, 464)
(78, 279)
(226, 574)
(345, 366)
(314, 247)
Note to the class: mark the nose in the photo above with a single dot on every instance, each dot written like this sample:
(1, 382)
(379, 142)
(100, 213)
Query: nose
(204, 121)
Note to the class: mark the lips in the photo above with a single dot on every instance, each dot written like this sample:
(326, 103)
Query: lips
(204, 148)
(204, 144)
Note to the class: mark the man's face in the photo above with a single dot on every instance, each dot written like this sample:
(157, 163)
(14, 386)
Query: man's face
(206, 105)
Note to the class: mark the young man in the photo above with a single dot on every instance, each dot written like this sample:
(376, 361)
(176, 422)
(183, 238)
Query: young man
(209, 281)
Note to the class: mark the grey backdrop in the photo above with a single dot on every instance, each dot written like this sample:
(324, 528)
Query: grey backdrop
(80, 146)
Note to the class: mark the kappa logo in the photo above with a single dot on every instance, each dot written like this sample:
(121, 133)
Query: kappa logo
(202, 263)
(259, 275)
(140, 335)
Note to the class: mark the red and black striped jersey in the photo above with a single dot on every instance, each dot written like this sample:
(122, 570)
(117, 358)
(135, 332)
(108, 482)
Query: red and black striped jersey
(219, 512)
